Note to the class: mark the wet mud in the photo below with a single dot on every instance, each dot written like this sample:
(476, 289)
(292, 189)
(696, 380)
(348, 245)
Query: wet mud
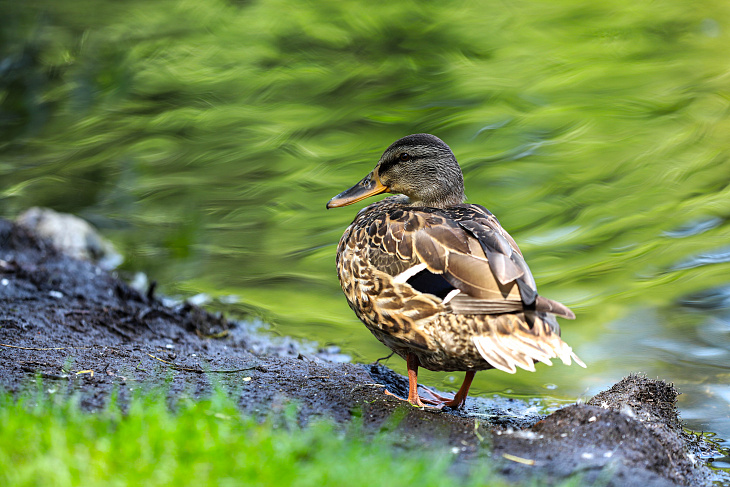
(84, 331)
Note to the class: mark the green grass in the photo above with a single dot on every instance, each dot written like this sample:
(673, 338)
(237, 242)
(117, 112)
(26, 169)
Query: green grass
(52, 442)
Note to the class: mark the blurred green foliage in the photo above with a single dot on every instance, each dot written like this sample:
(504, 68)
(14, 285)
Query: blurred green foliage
(205, 138)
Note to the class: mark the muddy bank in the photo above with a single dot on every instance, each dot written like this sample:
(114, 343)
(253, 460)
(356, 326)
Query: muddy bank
(85, 331)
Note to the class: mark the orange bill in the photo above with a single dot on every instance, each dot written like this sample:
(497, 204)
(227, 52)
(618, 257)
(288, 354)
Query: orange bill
(369, 185)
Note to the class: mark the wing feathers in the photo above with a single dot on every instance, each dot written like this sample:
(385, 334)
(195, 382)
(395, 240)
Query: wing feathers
(527, 292)
(430, 252)
(466, 305)
(503, 268)
(472, 252)
(472, 276)
(488, 237)
(451, 236)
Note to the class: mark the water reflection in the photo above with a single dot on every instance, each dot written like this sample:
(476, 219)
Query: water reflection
(716, 256)
(695, 228)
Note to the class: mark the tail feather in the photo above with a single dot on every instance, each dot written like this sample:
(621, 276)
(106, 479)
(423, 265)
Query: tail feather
(550, 306)
(512, 345)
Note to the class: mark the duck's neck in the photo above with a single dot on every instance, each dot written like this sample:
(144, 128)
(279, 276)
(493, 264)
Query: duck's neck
(444, 201)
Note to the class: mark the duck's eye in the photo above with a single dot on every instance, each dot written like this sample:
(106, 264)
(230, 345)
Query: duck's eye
(405, 156)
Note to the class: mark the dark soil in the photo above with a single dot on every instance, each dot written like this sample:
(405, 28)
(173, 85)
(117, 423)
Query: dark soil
(85, 331)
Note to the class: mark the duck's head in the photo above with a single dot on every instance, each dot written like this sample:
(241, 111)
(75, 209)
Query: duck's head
(420, 166)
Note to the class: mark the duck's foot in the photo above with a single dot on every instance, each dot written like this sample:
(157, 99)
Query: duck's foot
(417, 401)
(433, 398)
(455, 402)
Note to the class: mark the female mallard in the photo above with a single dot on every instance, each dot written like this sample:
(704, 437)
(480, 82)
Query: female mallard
(439, 281)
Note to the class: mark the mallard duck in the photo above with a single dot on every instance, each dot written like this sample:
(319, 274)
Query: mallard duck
(439, 281)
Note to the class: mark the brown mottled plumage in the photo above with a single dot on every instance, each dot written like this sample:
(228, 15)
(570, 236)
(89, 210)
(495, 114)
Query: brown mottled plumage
(438, 281)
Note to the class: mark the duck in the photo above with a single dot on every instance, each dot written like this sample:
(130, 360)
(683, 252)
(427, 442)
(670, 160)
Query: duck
(438, 280)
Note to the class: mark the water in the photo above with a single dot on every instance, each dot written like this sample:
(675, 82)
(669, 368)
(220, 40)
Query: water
(205, 137)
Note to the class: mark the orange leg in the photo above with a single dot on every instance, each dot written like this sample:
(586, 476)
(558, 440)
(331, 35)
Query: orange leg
(460, 397)
(412, 363)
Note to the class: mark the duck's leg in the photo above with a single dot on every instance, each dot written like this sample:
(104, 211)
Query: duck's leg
(460, 397)
(412, 363)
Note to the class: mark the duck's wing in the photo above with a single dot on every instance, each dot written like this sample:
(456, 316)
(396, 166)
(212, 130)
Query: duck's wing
(461, 254)
(507, 266)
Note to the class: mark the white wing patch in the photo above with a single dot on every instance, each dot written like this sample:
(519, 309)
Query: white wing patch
(403, 277)
(451, 295)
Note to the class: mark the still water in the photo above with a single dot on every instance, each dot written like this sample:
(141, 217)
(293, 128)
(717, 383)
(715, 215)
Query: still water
(205, 137)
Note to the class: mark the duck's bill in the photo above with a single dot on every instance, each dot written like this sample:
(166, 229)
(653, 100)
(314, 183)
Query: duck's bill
(369, 186)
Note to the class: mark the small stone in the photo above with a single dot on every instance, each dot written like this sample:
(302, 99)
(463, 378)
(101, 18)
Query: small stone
(71, 235)
(626, 410)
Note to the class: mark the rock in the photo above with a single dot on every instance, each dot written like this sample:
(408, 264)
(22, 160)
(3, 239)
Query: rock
(71, 235)
(628, 435)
